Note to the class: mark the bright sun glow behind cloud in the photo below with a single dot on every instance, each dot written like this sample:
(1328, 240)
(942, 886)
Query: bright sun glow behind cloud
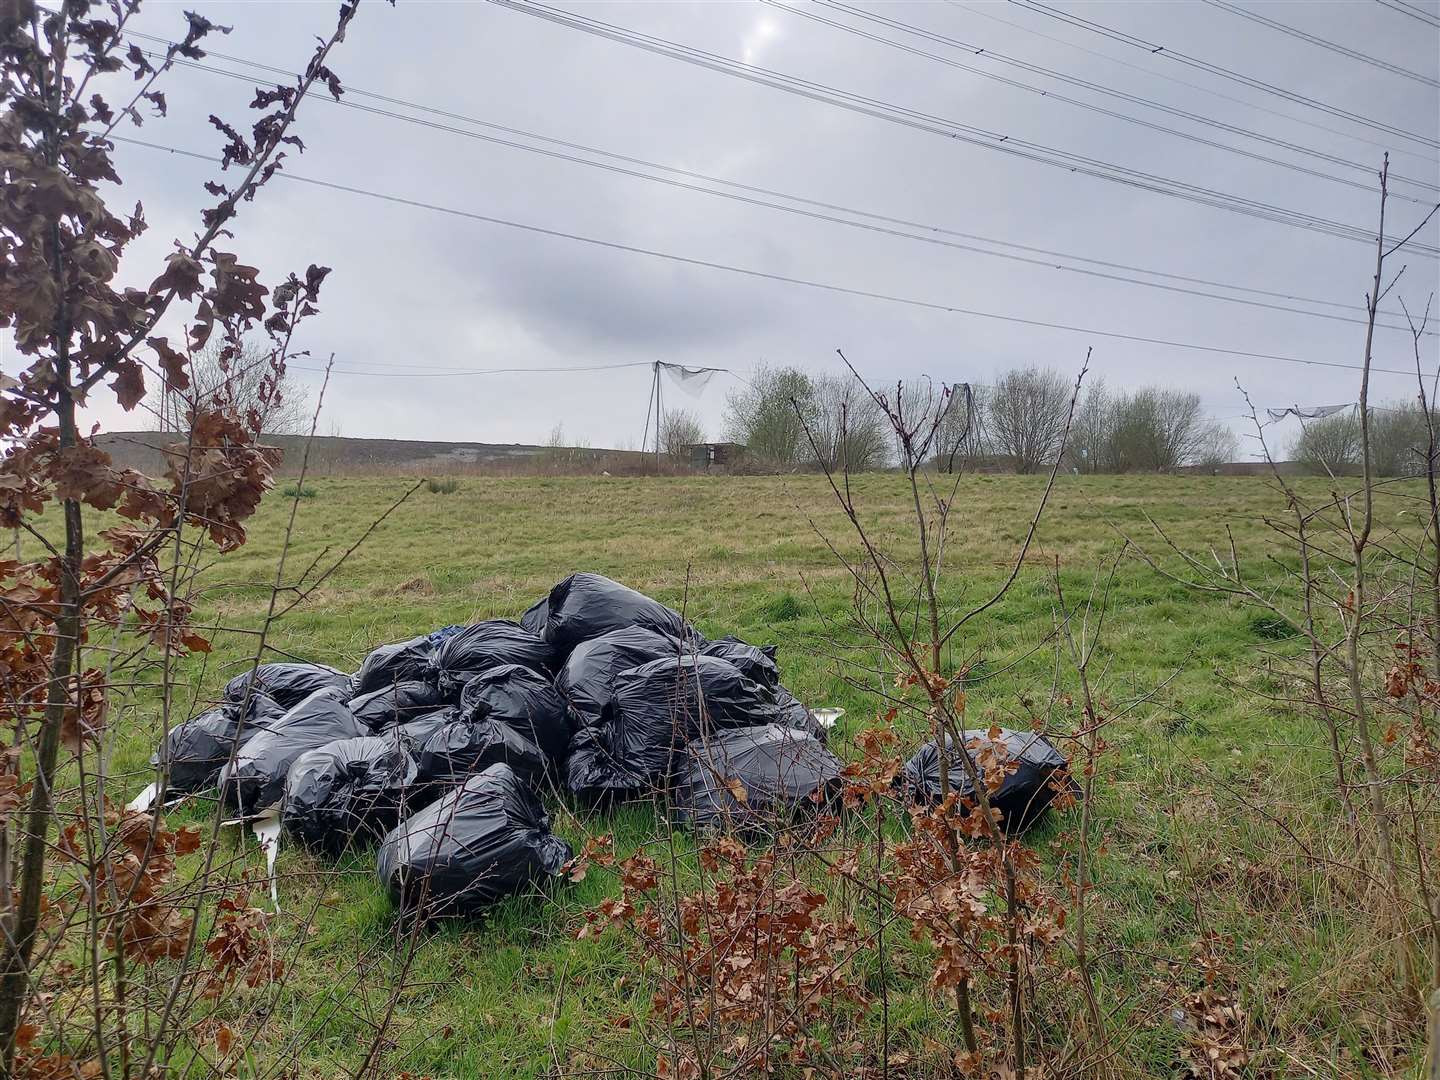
(754, 43)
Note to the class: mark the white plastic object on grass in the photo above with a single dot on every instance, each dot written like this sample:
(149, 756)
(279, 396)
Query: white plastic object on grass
(145, 801)
(266, 828)
(827, 716)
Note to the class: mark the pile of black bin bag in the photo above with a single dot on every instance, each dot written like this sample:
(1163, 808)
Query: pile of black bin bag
(440, 747)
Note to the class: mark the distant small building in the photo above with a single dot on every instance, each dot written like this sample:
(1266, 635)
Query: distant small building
(714, 455)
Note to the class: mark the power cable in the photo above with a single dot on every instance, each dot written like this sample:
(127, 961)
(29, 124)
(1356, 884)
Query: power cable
(960, 132)
(764, 275)
(998, 57)
(1343, 50)
(456, 372)
(825, 217)
(1403, 8)
(1208, 90)
(352, 91)
(1223, 72)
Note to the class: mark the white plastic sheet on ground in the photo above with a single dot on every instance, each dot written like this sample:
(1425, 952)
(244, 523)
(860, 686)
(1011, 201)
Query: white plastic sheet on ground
(267, 832)
(145, 801)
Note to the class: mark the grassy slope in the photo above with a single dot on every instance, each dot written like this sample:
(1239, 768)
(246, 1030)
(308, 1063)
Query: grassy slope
(517, 995)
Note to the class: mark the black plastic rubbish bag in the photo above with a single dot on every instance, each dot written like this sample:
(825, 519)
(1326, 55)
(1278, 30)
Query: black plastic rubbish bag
(396, 704)
(587, 678)
(584, 606)
(419, 728)
(400, 661)
(794, 714)
(1024, 794)
(461, 748)
(485, 645)
(481, 842)
(198, 749)
(349, 793)
(657, 709)
(755, 662)
(255, 780)
(753, 779)
(536, 615)
(679, 693)
(288, 684)
(523, 699)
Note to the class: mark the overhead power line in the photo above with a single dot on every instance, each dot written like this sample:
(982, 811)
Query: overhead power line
(764, 275)
(1224, 72)
(1210, 91)
(952, 129)
(402, 371)
(1426, 17)
(928, 228)
(929, 234)
(984, 53)
(447, 373)
(1335, 47)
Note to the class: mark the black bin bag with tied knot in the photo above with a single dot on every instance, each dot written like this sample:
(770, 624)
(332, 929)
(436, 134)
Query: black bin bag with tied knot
(397, 703)
(348, 793)
(482, 646)
(587, 678)
(584, 606)
(753, 779)
(288, 684)
(481, 842)
(523, 699)
(657, 709)
(398, 662)
(196, 751)
(1034, 773)
(255, 780)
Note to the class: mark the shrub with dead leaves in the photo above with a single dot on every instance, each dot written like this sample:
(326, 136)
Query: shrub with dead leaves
(92, 613)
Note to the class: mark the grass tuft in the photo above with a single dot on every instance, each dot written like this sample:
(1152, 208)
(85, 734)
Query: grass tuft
(1270, 628)
(785, 607)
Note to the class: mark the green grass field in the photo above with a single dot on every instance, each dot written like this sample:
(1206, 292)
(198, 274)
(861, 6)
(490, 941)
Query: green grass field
(516, 996)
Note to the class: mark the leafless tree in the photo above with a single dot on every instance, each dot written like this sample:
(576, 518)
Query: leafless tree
(1329, 445)
(848, 426)
(762, 416)
(239, 384)
(1090, 434)
(1156, 430)
(1028, 412)
(1152, 429)
(958, 413)
(1218, 446)
(1399, 434)
(679, 430)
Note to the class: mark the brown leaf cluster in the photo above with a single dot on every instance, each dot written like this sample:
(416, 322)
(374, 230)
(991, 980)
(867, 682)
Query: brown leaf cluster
(750, 957)
(240, 947)
(130, 878)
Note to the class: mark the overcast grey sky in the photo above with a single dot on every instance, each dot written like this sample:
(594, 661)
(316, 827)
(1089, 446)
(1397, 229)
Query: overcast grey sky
(418, 291)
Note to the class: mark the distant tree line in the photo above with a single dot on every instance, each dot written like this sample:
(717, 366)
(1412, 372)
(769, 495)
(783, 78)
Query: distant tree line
(791, 419)
(1399, 441)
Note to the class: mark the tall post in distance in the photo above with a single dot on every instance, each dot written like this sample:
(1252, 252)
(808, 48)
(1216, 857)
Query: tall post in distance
(659, 414)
